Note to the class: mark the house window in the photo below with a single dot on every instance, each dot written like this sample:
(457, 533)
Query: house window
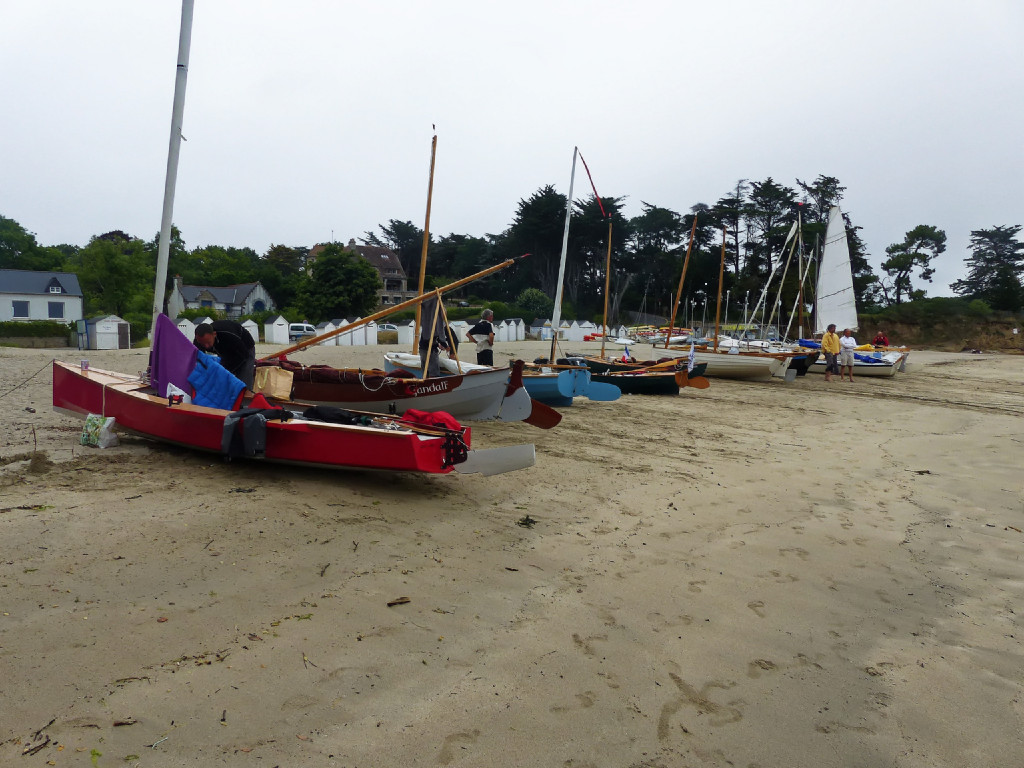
(55, 289)
(205, 303)
(20, 309)
(55, 310)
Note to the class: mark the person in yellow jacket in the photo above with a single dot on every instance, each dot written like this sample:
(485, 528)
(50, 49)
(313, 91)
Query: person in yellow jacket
(830, 348)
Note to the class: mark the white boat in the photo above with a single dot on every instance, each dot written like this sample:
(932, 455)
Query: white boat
(734, 364)
(836, 303)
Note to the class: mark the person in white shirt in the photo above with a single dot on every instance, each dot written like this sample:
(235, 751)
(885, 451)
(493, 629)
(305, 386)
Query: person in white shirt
(482, 334)
(847, 344)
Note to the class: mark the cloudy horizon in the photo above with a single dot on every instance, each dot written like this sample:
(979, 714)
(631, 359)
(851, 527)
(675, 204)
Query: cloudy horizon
(315, 119)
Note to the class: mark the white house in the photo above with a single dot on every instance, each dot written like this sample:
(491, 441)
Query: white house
(28, 295)
(233, 300)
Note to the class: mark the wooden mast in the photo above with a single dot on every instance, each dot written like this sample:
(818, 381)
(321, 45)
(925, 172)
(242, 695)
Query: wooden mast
(607, 282)
(426, 242)
(721, 275)
(679, 291)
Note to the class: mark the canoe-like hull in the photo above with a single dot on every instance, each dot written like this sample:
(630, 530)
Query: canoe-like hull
(883, 368)
(643, 382)
(742, 365)
(483, 395)
(297, 441)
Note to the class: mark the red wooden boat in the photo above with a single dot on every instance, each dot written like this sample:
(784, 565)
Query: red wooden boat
(382, 442)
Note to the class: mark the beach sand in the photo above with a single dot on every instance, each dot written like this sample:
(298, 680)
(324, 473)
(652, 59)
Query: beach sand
(755, 574)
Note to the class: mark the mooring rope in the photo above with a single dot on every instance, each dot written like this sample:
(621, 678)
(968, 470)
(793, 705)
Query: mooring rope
(26, 381)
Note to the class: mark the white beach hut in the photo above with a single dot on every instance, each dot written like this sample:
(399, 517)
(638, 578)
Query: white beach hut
(186, 326)
(275, 330)
(252, 329)
(405, 332)
(326, 327)
(108, 332)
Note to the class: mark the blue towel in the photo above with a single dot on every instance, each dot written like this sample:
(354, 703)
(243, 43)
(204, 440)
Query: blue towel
(215, 385)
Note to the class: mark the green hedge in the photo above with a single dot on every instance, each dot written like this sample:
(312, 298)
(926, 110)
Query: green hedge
(34, 329)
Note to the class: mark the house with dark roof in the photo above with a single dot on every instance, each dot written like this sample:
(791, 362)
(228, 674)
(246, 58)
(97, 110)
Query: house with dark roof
(394, 282)
(233, 300)
(28, 295)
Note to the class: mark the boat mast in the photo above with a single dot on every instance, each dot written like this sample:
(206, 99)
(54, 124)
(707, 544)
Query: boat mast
(556, 315)
(721, 276)
(177, 112)
(426, 242)
(679, 290)
(800, 271)
(607, 282)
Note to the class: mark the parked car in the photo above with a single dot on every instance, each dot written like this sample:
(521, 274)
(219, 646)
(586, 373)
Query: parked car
(297, 331)
(387, 327)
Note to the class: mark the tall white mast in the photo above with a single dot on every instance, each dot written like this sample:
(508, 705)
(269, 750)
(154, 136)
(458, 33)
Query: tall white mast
(177, 112)
(556, 315)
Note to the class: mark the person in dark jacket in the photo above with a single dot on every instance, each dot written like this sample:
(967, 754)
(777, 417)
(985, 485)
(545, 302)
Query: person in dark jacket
(232, 344)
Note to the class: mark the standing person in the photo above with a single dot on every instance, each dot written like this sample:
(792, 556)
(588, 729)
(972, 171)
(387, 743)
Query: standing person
(232, 344)
(433, 338)
(830, 348)
(848, 344)
(482, 334)
(880, 340)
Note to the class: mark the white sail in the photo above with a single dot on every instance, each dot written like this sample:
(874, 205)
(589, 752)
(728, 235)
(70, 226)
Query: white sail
(834, 294)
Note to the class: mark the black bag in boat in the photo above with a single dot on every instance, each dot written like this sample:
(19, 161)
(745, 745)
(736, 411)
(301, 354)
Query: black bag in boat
(334, 415)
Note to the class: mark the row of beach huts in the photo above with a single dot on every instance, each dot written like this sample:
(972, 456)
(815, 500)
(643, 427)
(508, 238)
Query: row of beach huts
(110, 331)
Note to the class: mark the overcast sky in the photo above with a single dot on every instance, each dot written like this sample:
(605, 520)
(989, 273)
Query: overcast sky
(305, 118)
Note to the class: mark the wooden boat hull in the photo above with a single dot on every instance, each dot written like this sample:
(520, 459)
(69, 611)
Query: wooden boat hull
(642, 383)
(306, 443)
(493, 394)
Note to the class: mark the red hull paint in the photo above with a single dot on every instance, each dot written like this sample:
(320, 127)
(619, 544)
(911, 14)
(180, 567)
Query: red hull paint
(296, 442)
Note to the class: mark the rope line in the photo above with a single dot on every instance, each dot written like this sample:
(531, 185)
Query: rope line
(26, 381)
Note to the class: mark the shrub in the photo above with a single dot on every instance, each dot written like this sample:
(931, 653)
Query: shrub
(35, 329)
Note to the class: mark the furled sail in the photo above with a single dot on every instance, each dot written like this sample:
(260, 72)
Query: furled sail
(834, 294)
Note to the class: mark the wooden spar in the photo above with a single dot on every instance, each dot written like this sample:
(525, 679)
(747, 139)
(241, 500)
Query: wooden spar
(177, 113)
(721, 276)
(607, 282)
(556, 315)
(390, 310)
(426, 241)
(679, 291)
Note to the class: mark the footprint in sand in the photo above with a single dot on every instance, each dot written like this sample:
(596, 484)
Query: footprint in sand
(456, 739)
(800, 552)
(757, 606)
(695, 586)
(757, 666)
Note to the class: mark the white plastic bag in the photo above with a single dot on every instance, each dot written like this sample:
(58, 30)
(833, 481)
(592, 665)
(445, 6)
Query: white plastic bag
(186, 398)
(99, 431)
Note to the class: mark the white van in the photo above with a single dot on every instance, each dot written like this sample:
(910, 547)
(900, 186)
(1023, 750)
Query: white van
(297, 330)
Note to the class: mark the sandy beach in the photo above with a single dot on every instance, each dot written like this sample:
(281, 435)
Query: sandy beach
(757, 574)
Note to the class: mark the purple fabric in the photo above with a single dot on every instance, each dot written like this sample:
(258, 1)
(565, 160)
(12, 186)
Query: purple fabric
(172, 358)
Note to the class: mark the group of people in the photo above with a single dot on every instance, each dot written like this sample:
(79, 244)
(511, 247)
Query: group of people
(839, 351)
